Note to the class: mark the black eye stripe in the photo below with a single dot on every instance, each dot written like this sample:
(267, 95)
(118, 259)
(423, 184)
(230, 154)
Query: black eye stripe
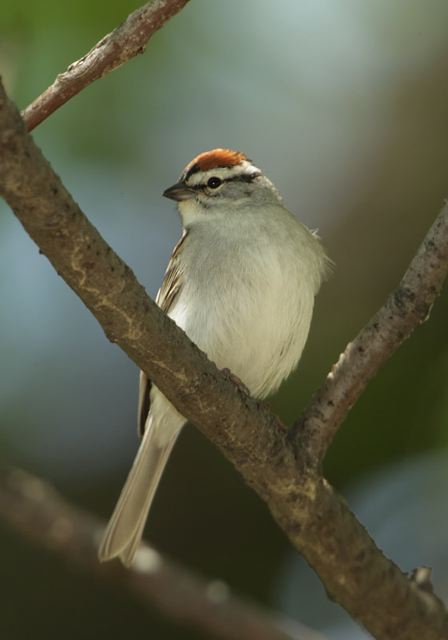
(249, 177)
(245, 177)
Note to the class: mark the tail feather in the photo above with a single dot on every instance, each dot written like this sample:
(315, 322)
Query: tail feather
(125, 528)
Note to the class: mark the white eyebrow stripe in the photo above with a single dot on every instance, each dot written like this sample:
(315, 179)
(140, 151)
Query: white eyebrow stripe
(225, 173)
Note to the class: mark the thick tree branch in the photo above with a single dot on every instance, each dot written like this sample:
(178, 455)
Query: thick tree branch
(40, 515)
(315, 519)
(116, 48)
(405, 309)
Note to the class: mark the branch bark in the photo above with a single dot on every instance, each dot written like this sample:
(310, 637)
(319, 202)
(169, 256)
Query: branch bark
(41, 516)
(116, 48)
(316, 520)
(405, 309)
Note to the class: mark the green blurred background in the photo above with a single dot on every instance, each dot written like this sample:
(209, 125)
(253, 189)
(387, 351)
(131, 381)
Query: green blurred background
(344, 105)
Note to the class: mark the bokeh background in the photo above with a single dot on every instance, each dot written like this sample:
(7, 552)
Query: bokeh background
(344, 105)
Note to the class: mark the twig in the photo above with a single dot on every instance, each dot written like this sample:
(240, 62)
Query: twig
(405, 309)
(317, 521)
(40, 515)
(116, 48)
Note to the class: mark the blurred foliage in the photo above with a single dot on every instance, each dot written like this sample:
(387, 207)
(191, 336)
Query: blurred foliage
(344, 106)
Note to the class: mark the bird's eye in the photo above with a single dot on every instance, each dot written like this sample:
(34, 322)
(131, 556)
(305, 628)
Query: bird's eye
(214, 182)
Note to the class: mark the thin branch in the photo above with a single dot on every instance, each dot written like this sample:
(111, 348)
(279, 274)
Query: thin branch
(405, 309)
(116, 48)
(41, 516)
(316, 520)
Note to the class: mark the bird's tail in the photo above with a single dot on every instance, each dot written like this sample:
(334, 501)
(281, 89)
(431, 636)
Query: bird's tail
(125, 528)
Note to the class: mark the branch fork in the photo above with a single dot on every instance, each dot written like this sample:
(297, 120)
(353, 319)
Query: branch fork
(282, 467)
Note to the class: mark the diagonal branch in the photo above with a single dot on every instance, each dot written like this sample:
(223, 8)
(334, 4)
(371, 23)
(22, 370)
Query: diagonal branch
(41, 516)
(315, 519)
(116, 48)
(405, 309)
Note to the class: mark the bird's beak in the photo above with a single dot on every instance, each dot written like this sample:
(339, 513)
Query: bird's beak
(178, 192)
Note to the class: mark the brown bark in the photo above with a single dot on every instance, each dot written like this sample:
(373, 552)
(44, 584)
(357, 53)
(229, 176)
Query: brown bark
(116, 48)
(405, 309)
(316, 520)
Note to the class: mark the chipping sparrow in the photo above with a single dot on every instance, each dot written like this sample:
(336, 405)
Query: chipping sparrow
(241, 283)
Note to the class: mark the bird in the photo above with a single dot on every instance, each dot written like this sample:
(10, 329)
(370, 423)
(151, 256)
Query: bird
(241, 283)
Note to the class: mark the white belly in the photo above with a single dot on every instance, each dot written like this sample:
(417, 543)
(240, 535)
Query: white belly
(247, 305)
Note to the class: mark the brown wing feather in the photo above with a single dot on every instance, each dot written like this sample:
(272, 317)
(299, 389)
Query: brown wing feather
(171, 286)
(172, 281)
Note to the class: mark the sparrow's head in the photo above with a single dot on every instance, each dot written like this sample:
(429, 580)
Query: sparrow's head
(221, 178)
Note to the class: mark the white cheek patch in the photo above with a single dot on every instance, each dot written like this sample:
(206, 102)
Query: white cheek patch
(224, 173)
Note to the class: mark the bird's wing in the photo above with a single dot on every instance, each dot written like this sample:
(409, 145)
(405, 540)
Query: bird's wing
(167, 294)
